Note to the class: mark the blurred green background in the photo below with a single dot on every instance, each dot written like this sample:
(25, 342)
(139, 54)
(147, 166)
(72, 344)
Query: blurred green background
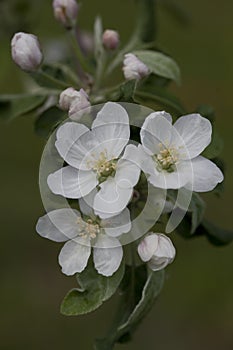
(195, 310)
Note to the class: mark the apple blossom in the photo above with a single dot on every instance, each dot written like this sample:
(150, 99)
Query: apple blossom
(95, 159)
(134, 68)
(26, 52)
(67, 225)
(66, 11)
(171, 153)
(74, 101)
(111, 39)
(158, 250)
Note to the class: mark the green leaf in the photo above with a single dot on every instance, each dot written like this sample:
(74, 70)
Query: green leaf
(215, 234)
(51, 77)
(140, 287)
(215, 147)
(94, 290)
(159, 97)
(48, 121)
(13, 106)
(151, 290)
(207, 112)
(197, 209)
(160, 64)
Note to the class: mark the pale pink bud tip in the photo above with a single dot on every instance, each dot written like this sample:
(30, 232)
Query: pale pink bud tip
(157, 250)
(111, 39)
(75, 102)
(26, 52)
(134, 68)
(66, 12)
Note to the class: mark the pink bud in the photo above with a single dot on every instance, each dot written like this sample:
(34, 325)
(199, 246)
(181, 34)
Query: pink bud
(26, 52)
(134, 68)
(111, 39)
(79, 105)
(65, 11)
(67, 97)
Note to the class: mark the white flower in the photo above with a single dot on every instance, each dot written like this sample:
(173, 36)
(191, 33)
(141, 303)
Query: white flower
(171, 153)
(94, 159)
(157, 250)
(74, 101)
(65, 11)
(134, 68)
(111, 39)
(26, 52)
(67, 225)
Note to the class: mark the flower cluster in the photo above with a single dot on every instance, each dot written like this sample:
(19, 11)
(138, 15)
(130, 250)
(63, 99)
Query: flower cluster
(102, 169)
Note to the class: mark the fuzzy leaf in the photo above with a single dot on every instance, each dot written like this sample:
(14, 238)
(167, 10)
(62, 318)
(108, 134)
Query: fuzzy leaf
(160, 64)
(160, 98)
(48, 121)
(13, 106)
(215, 234)
(140, 288)
(197, 208)
(94, 290)
(215, 147)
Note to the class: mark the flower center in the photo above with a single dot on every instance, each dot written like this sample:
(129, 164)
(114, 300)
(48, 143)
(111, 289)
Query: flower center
(88, 228)
(103, 167)
(166, 159)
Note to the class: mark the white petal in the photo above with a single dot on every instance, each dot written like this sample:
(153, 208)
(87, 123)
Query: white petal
(194, 134)
(127, 174)
(111, 199)
(206, 175)
(156, 130)
(86, 203)
(74, 256)
(174, 180)
(74, 151)
(133, 154)
(164, 254)
(111, 128)
(59, 225)
(72, 183)
(108, 255)
(147, 247)
(112, 138)
(118, 224)
(111, 113)
(67, 135)
(147, 162)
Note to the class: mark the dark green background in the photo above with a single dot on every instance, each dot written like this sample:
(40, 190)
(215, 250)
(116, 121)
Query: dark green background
(195, 311)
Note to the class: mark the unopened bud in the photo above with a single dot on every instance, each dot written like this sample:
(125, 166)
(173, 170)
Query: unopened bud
(65, 11)
(26, 52)
(157, 250)
(134, 68)
(111, 39)
(67, 97)
(75, 102)
(79, 105)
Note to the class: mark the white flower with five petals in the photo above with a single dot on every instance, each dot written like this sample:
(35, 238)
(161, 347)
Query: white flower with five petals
(171, 153)
(95, 159)
(81, 234)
